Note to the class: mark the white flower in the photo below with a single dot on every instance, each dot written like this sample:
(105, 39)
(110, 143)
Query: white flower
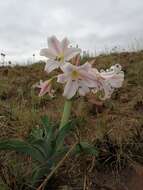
(109, 80)
(58, 53)
(45, 87)
(76, 79)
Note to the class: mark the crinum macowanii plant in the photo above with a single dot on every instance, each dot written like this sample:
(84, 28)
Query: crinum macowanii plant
(46, 145)
(80, 79)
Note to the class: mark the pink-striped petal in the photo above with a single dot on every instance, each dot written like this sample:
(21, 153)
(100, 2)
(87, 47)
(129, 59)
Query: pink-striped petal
(90, 83)
(68, 67)
(117, 80)
(62, 78)
(54, 44)
(49, 53)
(86, 67)
(88, 78)
(107, 89)
(64, 44)
(83, 89)
(51, 65)
(71, 52)
(70, 89)
(45, 88)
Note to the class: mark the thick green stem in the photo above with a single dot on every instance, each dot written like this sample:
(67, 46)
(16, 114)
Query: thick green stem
(66, 113)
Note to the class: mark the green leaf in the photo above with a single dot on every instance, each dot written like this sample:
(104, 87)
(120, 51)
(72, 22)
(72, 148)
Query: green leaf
(86, 148)
(60, 153)
(42, 146)
(39, 173)
(36, 134)
(49, 129)
(47, 148)
(22, 147)
(64, 131)
(46, 124)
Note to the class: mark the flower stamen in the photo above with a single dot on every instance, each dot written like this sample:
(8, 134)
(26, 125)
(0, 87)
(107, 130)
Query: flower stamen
(60, 57)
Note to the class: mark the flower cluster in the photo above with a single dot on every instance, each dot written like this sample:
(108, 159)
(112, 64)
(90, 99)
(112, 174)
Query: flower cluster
(80, 79)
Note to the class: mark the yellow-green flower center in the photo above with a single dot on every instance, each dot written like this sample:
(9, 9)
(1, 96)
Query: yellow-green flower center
(60, 57)
(75, 74)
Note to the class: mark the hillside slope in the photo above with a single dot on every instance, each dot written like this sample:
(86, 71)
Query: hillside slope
(115, 126)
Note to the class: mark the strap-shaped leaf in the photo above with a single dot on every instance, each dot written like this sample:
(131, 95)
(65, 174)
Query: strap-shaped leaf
(49, 129)
(22, 147)
(63, 132)
(86, 148)
(60, 153)
(39, 174)
(42, 146)
(50, 133)
(46, 124)
(36, 134)
(47, 148)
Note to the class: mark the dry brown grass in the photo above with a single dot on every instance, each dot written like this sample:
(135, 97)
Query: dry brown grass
(116, 125)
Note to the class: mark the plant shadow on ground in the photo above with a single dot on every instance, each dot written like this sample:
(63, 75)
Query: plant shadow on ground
(115, 127)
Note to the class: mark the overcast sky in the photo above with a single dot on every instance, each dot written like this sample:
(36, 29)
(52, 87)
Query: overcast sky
(93, 24)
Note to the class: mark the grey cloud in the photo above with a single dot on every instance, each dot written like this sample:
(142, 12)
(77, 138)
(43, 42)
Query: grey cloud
(25, 24)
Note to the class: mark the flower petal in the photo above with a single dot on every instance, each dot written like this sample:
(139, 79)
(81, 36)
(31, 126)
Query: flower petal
(90, 83)
(64, 44)
(70, 89)
(86, 66)
(68, 67)
(117, 80)
(43, 91)
(71, 52)
(116, 68)
(51, 65)
(83, 89)
(62, 78)
(54, 44)
(108, 90)
(88, 78)
(49, 53)
(45, 87)
(114, 76)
